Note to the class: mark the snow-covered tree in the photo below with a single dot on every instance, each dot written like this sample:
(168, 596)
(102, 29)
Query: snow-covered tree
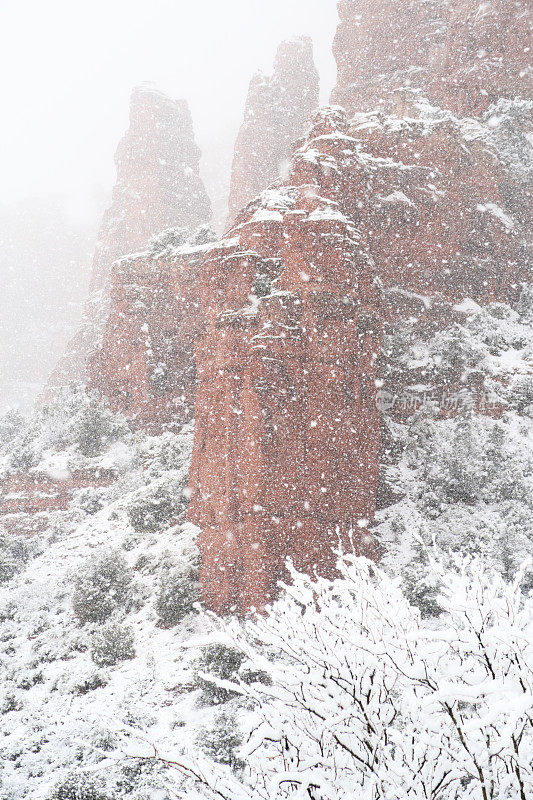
(369, 701)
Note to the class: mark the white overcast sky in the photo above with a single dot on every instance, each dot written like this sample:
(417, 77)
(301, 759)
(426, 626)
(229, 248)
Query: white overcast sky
(68, 67)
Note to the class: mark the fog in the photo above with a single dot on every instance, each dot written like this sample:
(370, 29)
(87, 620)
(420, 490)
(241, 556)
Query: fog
(68, 70)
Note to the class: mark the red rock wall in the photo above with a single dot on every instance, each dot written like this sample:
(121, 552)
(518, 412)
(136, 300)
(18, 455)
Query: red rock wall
(145, 365)
(277, 113)
(158, 186)
(27, 500)
(488, 54)
(158, 180)
(285, 454)
(464, 54)
(434, 215)
(382, 45)
(287, 429)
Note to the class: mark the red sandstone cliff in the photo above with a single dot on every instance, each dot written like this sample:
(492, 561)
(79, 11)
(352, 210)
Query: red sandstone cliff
(464, 54)
(488, 53)
(158, 186)
(285, 454)
(393, 214)
(277, 113)
(158, 181)
(287, 430)
(145, 364)
(382, 45)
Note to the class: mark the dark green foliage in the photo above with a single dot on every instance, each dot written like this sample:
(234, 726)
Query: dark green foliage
(80, 786)
(96, 681)
(468, 464)
(140, 773)
(14, 554)
(90, 500)
(223, 663)
(101, 585)
(11, 424)
(178, 591)
(112, 644)
(520, 396)
(156, 508)
(10, 702)
(95, 429)
(168, 239)
(221, 741)
(262, 286)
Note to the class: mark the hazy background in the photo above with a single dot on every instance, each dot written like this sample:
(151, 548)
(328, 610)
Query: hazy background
(68, 69)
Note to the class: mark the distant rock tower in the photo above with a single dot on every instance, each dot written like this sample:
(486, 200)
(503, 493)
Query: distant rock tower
(277, 112)
(158, 187)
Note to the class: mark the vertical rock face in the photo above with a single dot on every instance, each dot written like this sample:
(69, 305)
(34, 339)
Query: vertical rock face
(463, 54)
(277, 112)
(386, 45)
(488, 53)
(158, 181)
(285, 455)
(287, 427)
(145, 365)
(437, 220)
(158, 186)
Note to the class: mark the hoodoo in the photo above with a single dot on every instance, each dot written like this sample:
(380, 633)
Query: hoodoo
(158, 186)
(277, 113)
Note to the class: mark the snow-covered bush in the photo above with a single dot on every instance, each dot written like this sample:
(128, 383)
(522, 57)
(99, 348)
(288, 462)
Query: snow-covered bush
(367, 701)
(14, 554)
(173, 238)
(520, 395)
(221, 662)
(218, 665)
(91, 499)
(112, 643)
(73, 420)
(80, 786)
(95, 427)
(177, 594)
(102, 584)
(11, 424)
(156, 505)
(524, 305)
(466, 460)
(222, 740)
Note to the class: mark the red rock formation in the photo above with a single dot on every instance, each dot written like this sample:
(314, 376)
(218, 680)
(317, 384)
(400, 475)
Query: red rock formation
(285, 455)
(158, 186)
(158, 181)
(26, 500)
(382, 45)
(463, 54)
(145, 364)
(488, 53)
(435, 215)
(277, 113)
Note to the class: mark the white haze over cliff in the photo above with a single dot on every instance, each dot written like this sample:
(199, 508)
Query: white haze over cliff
(69, 69)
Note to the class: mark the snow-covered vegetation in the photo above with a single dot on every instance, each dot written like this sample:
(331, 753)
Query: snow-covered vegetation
(413, 679)
(456, 479)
